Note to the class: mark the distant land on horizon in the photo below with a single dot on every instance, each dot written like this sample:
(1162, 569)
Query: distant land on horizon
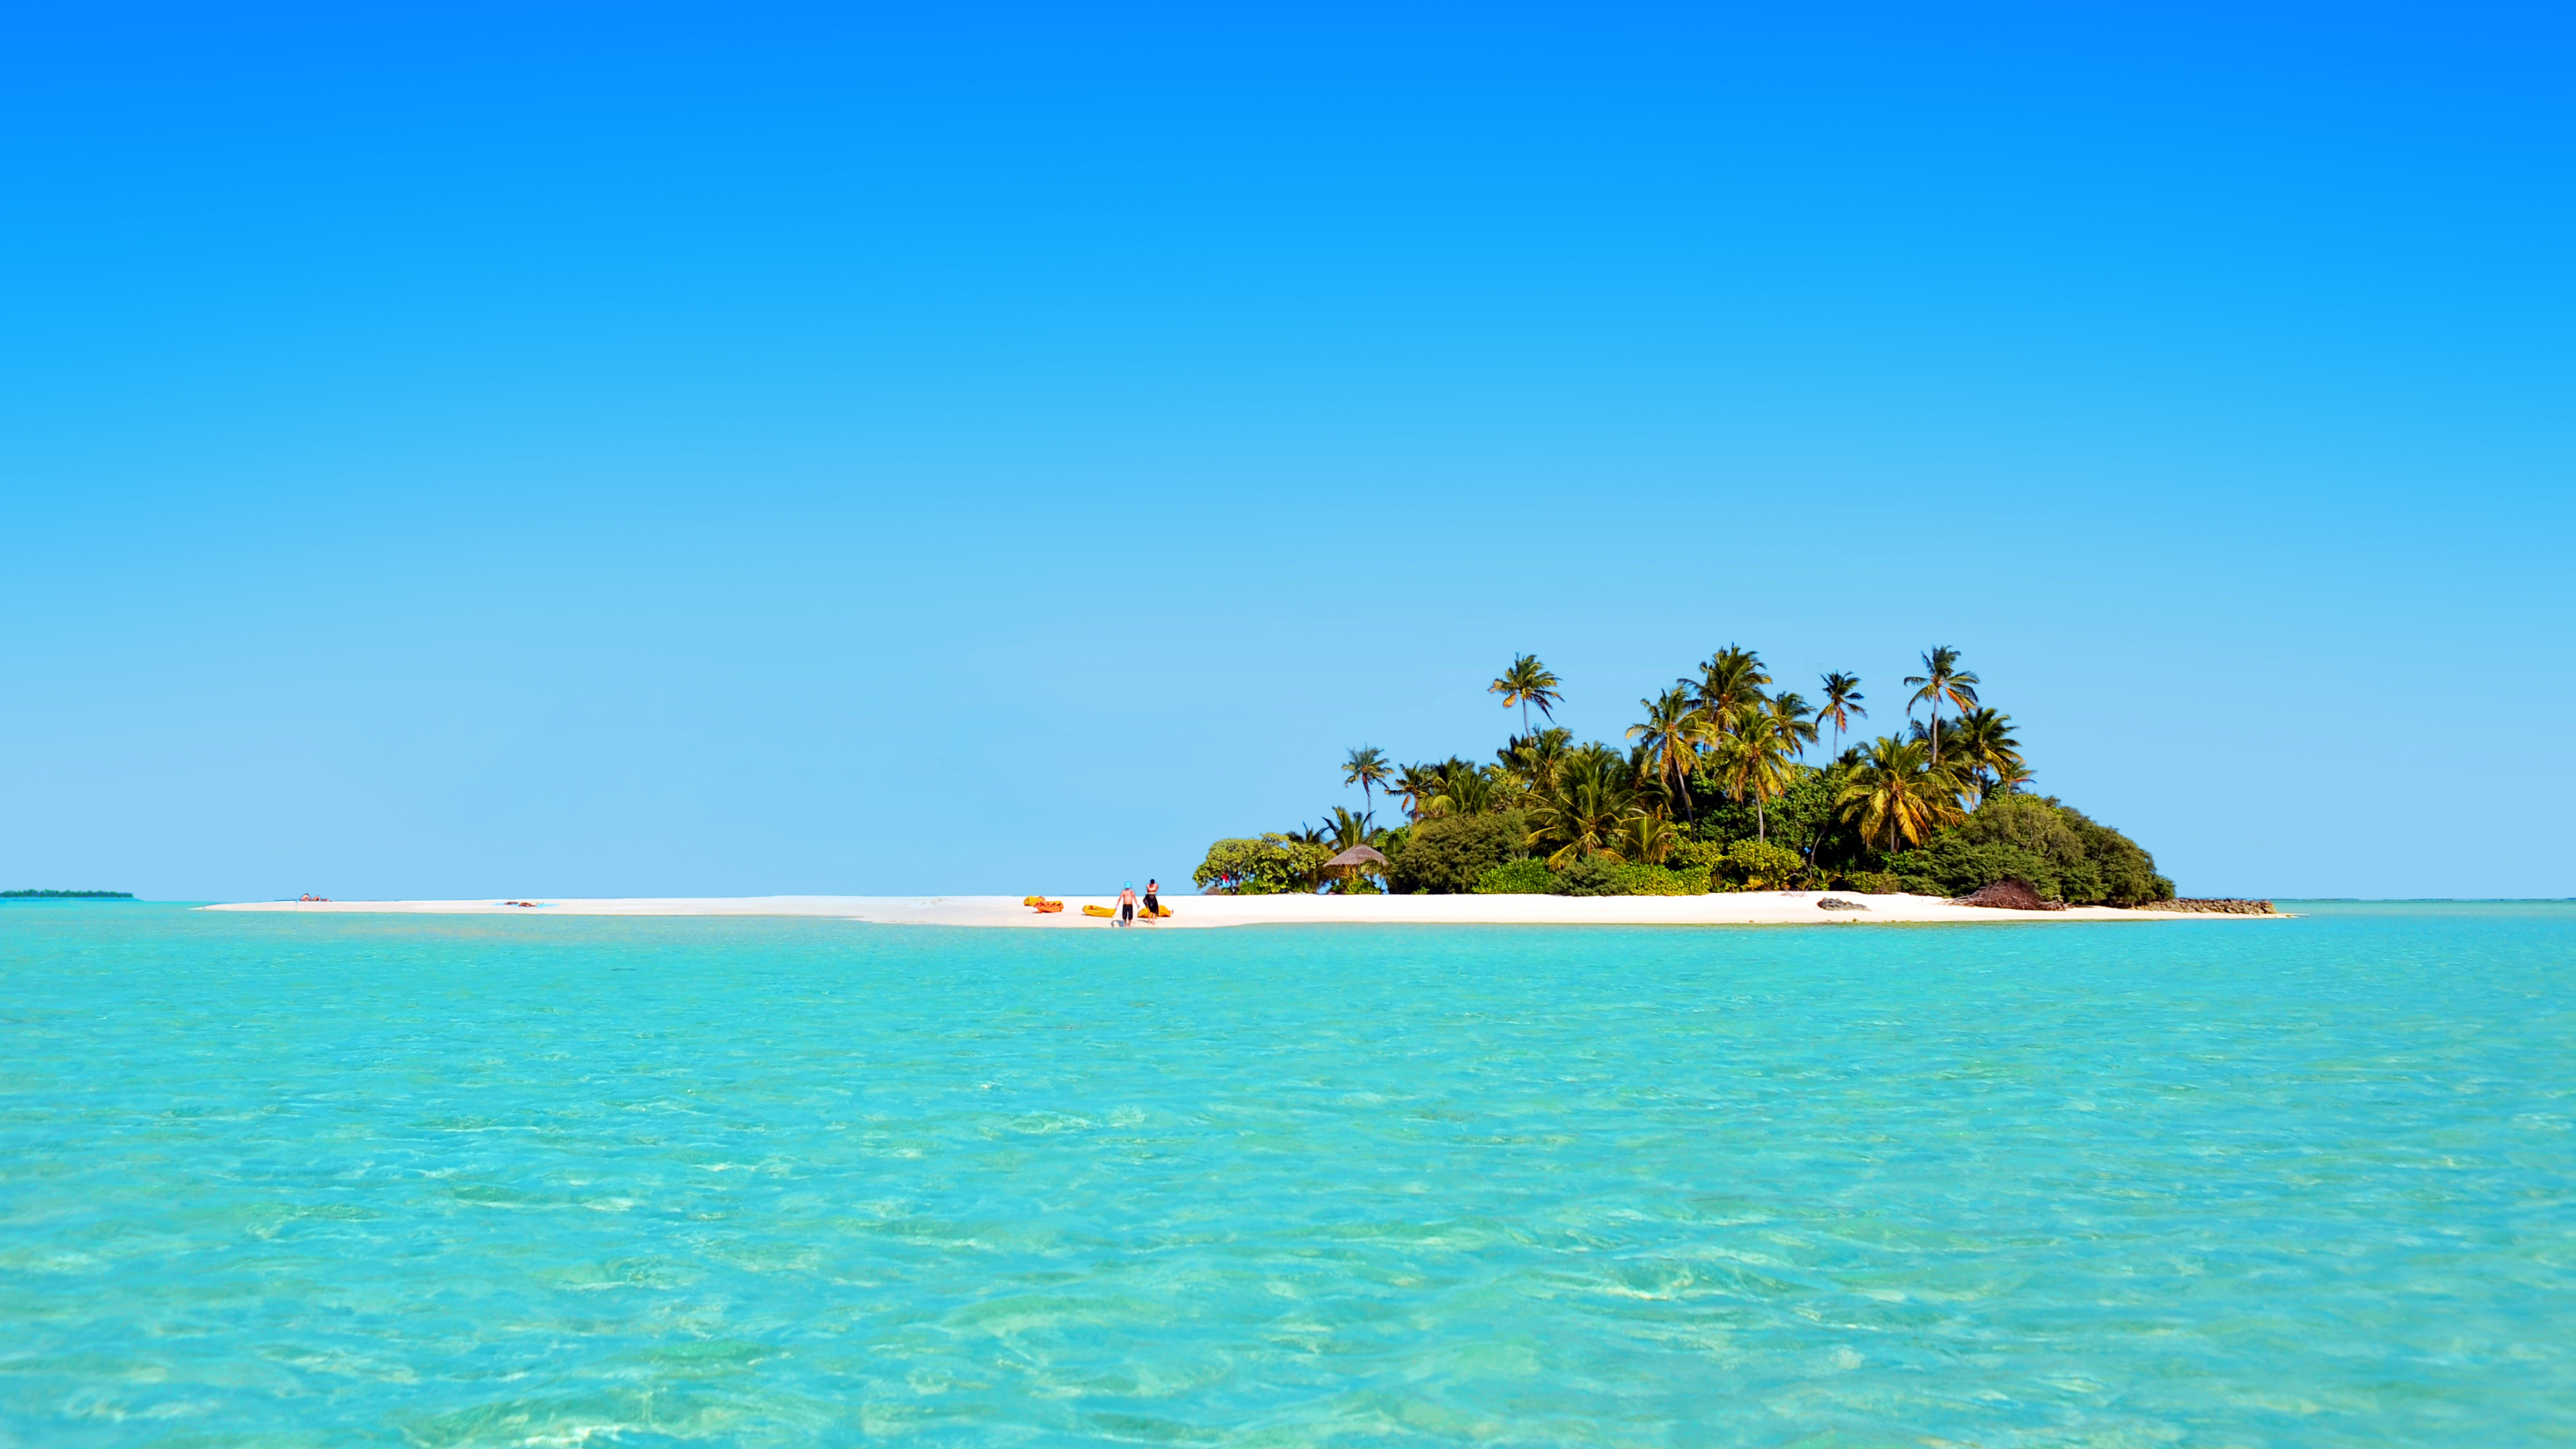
(66, 895)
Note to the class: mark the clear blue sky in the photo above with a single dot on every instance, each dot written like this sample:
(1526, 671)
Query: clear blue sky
(554, 450)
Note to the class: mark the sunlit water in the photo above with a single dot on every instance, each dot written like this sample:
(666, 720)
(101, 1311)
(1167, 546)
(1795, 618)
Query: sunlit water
(283, 1180)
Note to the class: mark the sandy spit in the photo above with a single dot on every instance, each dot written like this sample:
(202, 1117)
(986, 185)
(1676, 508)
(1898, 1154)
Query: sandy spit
(1743, 908)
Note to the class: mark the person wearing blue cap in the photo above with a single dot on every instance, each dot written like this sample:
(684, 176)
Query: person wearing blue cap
(1127, 904)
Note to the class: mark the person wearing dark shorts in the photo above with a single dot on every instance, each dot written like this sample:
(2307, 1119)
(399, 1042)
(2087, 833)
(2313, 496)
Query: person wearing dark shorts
(1127, 904)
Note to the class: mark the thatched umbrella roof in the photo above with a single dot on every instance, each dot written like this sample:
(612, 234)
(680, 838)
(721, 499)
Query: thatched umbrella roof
(1355, 857)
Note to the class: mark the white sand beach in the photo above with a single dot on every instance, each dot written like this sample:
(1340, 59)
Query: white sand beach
(1742, 908)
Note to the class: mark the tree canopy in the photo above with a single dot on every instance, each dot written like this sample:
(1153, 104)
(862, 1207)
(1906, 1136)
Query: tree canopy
(1714, 790)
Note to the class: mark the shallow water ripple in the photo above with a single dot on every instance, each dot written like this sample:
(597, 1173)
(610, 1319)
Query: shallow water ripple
(284, 1180)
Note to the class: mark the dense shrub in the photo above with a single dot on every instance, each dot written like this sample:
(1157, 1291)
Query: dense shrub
(1590, 876)
(1450, 854)
(2128, 872)
(1517, 878)
(1951, 866)
(1756, 866)
(1656, 880)
(1272, 865)
(1700, 855)
(2063, 853)
(1595, 877)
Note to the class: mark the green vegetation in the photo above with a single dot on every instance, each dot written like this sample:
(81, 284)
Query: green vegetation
(1714, 791)
(2060, 851)
(66, 895)
(1273, 865)
(1518, 878)
(1452, 854)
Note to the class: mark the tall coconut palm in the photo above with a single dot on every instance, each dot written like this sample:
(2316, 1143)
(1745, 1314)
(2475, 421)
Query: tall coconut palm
(1797, 722)
(1671, 736)
(1579, 814)
(1415, 785)
(1366, 768)
(1898, 792)
(1841, 706)
(1730, 678)
(1753, 760)
(1942, 681)
(1984, 751)
(1527, 683)
(1651, 790)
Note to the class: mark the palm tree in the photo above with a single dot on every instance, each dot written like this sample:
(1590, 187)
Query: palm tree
(1897, 788)
(1753, 759)
(1671, 737)
(1645, 839)
(1366, 768)
(1526, 683)
(1797, 722)
(1942, 681)
(1465, 789)
(1842, 701)
(1347, 830)
(1533, 757)
(1580, 813)
(1731, 677)
(1415, 785)
(1982, 745)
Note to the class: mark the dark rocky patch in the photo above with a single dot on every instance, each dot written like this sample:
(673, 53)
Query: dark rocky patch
(2008, 895)
(2211, 906)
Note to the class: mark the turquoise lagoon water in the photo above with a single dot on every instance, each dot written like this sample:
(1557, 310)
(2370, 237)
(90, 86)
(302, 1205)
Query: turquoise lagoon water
(314, 1180)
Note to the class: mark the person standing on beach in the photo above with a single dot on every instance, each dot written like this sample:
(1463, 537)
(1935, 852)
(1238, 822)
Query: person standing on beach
(1127, 904)
(1153, 901)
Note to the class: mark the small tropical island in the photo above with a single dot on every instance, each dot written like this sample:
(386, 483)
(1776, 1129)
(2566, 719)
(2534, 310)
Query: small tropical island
(66, 895)
(1713, 790)
(1710, 812)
